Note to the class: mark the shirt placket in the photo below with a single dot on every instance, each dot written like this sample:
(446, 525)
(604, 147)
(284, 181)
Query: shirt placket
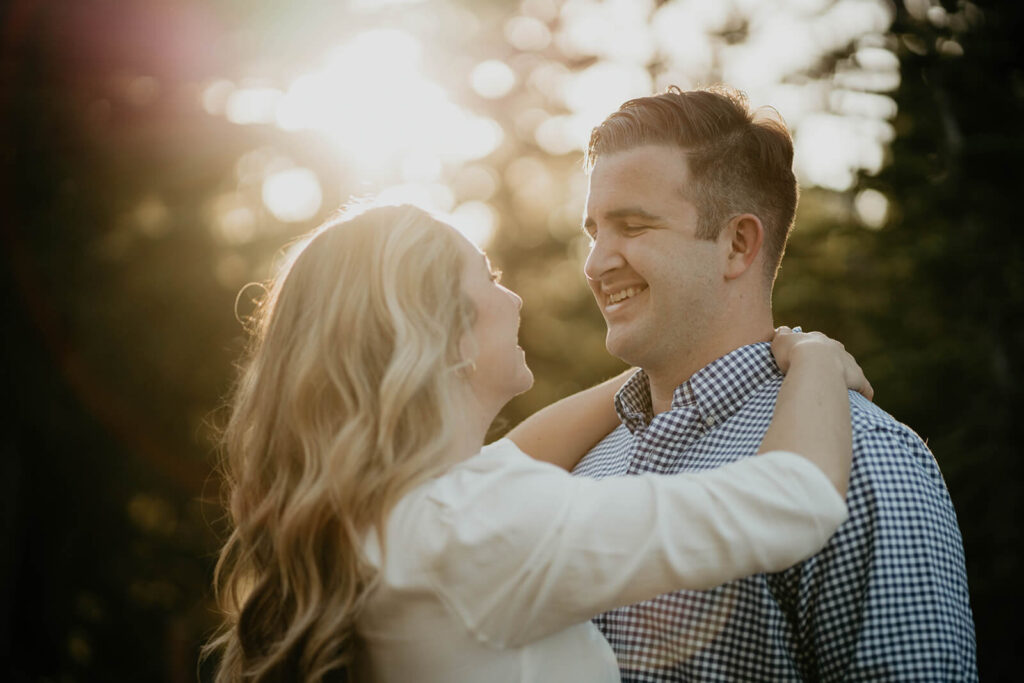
(647, 452)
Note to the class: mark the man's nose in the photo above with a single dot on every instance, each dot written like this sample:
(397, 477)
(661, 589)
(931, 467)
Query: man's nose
(603, 258)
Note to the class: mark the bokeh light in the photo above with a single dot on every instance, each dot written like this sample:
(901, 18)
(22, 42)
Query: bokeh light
(476, 220)
(872, 208)
(292, 195)
(493, 79)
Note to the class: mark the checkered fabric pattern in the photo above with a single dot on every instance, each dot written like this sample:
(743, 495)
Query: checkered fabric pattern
(885, 600)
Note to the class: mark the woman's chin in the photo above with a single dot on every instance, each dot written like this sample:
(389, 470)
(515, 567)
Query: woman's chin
(527, 383)
(523, 383)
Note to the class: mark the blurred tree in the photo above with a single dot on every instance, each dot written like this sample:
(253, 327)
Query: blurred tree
(931, 300)
(959, 309)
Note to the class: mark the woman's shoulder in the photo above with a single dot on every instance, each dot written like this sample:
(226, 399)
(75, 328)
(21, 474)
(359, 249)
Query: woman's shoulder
(500, 497)
(500, 471)
(498, 478)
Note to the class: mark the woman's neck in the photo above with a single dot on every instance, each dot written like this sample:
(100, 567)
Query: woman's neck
(472, 431)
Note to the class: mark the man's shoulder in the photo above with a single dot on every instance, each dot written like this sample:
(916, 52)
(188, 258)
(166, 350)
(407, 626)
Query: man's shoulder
(872, 422)
(868, 420)
(877, 435)
(887, 450)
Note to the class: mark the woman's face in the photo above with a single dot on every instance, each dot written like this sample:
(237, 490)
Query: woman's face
(501, 370)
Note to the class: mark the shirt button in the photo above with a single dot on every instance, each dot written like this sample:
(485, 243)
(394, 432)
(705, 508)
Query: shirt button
(710, 421)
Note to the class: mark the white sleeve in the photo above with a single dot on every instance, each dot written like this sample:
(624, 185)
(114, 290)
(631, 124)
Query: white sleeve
(519, 549)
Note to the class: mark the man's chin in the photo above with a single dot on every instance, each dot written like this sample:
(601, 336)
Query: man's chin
(623, 347)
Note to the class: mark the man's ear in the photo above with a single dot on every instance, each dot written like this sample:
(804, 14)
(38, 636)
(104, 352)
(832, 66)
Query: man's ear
(745, 235)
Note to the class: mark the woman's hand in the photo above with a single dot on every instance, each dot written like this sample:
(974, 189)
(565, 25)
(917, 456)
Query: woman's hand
(812, 411)
(793, 348)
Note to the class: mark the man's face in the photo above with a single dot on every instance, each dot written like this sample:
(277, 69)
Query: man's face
(657, 285)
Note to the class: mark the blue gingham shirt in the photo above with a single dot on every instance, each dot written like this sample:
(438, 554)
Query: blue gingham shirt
(885, 600)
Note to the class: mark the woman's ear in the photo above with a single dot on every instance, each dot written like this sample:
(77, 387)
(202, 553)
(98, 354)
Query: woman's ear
(745, 234)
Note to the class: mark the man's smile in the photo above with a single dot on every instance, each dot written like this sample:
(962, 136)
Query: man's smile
(619, 298)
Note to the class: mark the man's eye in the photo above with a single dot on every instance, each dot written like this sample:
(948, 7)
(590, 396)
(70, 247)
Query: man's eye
(635, 228)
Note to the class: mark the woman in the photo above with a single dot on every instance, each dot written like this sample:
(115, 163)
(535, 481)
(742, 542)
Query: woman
(372, 533)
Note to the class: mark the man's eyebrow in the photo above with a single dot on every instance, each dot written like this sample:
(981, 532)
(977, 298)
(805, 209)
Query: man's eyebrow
(625, 212)
(631, 212)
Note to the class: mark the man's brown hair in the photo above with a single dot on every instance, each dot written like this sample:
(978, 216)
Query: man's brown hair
(740, 161)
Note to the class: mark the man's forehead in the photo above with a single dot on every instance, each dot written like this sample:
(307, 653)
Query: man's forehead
(659, 153)
(636, 177)
(644, 192)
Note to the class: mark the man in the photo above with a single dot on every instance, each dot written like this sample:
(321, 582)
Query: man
(691, 199)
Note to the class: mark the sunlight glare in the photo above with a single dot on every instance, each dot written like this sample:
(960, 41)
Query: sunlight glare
(475, 181)
(292, 195)
(368, 6)
(492, 79)
(560, 135)
(549, 78)
(433, 197)
(252, 105)
(371, 101)
(847, 20)
(527, 34)
(614, 29)
(477, 220)
(682, 39)
(215, 95)
(830, 149)
(862, 104)
(877, 59)
(784, 38)
(543, 10)
(532, 183)
(599, 89)
(421, 168)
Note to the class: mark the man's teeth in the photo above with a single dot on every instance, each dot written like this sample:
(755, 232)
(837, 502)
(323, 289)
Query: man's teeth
(624, 294)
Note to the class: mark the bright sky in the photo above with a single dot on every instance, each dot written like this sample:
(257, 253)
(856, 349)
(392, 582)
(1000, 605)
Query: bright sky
(405, 135)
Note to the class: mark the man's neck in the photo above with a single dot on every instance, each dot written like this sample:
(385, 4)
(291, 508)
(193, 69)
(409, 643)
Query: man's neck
(665, 380)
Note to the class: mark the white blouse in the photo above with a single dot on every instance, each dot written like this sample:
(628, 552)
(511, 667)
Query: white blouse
(494, 569)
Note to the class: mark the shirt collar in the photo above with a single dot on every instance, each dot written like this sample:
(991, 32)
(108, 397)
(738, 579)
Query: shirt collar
(633, 401)
(717, 390)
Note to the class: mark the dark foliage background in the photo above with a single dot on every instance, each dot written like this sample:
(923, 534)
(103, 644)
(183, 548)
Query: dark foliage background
(118, 312)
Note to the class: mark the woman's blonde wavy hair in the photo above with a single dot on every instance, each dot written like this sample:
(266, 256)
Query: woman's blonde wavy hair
(347, 400)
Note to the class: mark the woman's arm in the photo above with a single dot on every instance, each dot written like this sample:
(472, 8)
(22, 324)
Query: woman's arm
(573, 547)
(564, 431)
(812, 412)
